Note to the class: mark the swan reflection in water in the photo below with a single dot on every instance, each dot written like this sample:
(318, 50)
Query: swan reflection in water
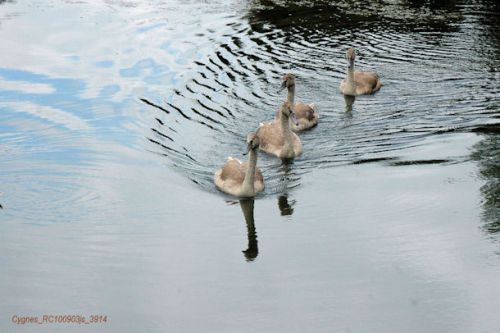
(285, 206)
(253, 250)
(289, 180)
(349, 101)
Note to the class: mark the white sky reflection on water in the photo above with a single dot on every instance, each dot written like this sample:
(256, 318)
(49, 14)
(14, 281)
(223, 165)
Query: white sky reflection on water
(53, 115)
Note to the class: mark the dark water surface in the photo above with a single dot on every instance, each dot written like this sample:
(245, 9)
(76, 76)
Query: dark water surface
(114, 116)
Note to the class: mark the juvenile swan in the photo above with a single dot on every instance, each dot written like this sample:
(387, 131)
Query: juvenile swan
(304, 113)
(356, 82)
(277, 137)
(240, 179)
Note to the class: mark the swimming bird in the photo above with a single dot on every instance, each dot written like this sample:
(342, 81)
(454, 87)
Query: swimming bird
(240, 179)
(304, 113)
(356, 82)
(277, 138)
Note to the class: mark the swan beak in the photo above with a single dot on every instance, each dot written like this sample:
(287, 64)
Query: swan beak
(283, 86)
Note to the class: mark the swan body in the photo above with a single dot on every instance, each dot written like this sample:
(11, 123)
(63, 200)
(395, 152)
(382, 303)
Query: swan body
(241, 179)
(357, 82)
(277, 137)
(305, 114)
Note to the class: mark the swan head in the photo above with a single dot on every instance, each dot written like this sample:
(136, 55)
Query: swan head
(253, 142)
(288, 112)
(287, 81)
(350, 54)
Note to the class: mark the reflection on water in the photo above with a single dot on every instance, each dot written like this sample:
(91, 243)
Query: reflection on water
(285, 206)
(305, 19)
(349, 101)
(486, 154)
(252, 251)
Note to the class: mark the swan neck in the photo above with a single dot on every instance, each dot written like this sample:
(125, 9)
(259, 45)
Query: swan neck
(248, 183)
(350, 76)
(291, 94)
(286, 131)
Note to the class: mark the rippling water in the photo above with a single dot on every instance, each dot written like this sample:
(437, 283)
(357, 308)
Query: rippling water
(232, 86)
(115, 114)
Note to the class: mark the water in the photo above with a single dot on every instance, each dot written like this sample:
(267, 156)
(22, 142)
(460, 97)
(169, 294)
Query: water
(114, 116)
